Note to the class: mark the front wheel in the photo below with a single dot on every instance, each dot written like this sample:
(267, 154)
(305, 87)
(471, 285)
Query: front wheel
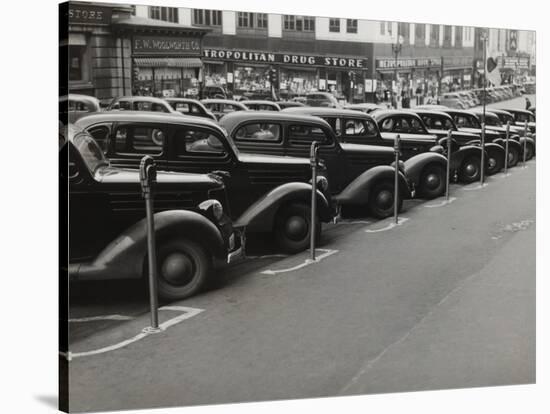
(183, 269)
(529, 152)
(432, 181)
(470, 170)
(513, 156)
(381, 200)
(292, 228)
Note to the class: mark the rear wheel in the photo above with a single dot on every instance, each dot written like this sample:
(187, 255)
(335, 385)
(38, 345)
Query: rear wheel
(183, 268)
(495, 162)
(529, 152)
(513, 156)
(470, 170)
(381, 200)
(432, 181)
(293, 228)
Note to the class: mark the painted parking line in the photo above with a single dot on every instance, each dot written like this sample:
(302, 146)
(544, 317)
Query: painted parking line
(101, 318)
(327, 253)
(441, 203)
(400, 221)
(186, 314)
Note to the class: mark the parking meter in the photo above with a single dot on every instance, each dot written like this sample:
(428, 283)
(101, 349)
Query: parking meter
(449, 150)
(482, 174)
(148, 178)
(396, 143)
(313, 161)
(525, 143)
(506, 148)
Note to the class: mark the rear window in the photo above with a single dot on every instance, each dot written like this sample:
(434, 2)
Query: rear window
(305, 134)
(144, 140)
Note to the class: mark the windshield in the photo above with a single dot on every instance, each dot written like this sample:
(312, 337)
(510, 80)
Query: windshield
(90, 151)
(492, 120)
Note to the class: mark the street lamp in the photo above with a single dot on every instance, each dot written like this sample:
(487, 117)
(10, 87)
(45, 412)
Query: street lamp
(484, 38)
(396, 49)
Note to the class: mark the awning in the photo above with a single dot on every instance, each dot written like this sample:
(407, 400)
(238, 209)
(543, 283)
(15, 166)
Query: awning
(168, 62)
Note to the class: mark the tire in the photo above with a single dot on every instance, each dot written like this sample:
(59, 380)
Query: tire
(381, 199)
(495, 162)
(513, 157)
(183, 269)
(470, 170)
(293, 226)
(530, 152)
(432, 181)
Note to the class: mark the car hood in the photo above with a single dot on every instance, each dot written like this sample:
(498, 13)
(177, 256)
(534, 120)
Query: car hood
(477, 131)
(271, 159)
(365, 148)
(461, 133)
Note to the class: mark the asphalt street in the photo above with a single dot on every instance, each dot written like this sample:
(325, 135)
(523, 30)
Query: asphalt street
(446, 299)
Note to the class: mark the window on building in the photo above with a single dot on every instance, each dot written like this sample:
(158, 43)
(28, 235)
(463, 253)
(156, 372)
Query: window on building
(207, 17)
(167, 14)
(351, 25)
(299, 23)
(76, 62)
(447, 35)
(245, 20)
(382, 28)
(389, 27)
(434, 35)
(261, 20)
(403, 29)
(334, 25)
(458, 36)
(419, 33)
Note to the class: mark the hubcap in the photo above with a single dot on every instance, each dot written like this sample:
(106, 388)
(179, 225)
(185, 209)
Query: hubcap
(492, 163)
(471, 170)
(384, 199)
(177, 269)
(432, 181)
(296, 227)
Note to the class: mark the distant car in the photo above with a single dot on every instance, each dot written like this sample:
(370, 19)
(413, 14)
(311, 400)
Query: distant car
(266, 194)
(522, 115)
(214, 92)
(325, 99)
(221, 107)
(107, 229)
(258, 105)
(505, 117)
(140, 103)
(190, 107)
(289, 104)
(364, 107)
(75, 106)
(453, 100)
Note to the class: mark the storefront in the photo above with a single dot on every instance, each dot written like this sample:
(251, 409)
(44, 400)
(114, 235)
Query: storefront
(245, 73)
(513, 68)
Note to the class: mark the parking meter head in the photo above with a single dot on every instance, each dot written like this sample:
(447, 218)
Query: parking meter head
(147, 173)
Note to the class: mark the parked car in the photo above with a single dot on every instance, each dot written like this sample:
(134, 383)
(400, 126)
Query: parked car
(452, 100)
(505, 117)
(522, 115)
(425, 172)
(468, 121)
(415, 139)
(107, 230)
(257, 105)
(439, 123)
(360, 176)
(493, 123)
(75, 106)
(322, 99)
(190, 107)
(289, 104)
(140, 103)
(221, 107)
(364, 107)
(267, 194)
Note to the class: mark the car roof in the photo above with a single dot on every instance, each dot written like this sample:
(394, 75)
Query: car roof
(143, 116)
(433, 112)
(521, 111)
(499, 111)
(384, 113)
(79, 97)
(259, 101)
(226, 101)
(151, 99)
(319, 110)
(233, 119)
(487, 112)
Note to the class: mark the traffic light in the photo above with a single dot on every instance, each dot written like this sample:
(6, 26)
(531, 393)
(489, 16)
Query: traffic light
(273, 77)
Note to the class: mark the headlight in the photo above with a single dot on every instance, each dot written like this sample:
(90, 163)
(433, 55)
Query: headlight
(214, 206)
(322, 183)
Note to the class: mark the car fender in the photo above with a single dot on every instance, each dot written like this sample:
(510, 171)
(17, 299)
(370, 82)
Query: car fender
(415, 165)
(124, 256)
(260, 215)
(524, 140)
(357, 192)
(458, 157)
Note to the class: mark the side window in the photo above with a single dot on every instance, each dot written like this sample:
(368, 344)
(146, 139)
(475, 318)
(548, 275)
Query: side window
(198, 140)
(448, 124)
(137, 139)
(359, 127)
(415, 126)
(401, 125)
(387, 125)
(259, 132)
(101, 135)
(182, 107)
(335, 124)
(306, 134)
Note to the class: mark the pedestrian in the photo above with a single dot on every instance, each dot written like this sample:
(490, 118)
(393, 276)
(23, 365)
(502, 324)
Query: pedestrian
(527, 103)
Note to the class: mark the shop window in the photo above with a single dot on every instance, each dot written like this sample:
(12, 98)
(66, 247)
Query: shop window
(419, 34)
(458, 36)
(299, 23)
(447, 35)
(306, 134)
(142, 140)
(434, 35)
(351, 25)
(205, 17)
(198, 140)
(167, 14)
(77, 63)
(259, 132)
(334, 25)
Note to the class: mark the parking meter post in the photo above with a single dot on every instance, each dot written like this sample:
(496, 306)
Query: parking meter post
(148, 175)
(482, 175)
(506, 148)
(313, 161)
(396, 182)
(449, 149)
(525, 144)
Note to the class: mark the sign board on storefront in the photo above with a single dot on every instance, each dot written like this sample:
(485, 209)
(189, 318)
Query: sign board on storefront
(89, 14)
(407, 63)
(369, 85)
(513, 62)
(162, 45)
(285, 58)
